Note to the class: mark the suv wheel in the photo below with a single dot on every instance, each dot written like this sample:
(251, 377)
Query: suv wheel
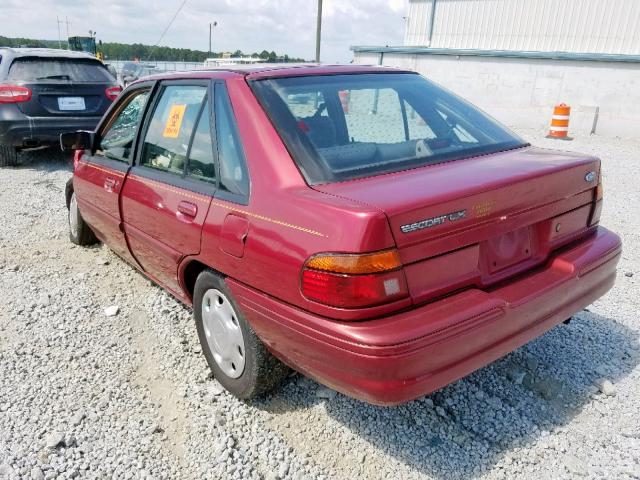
(79, 231)
(8, 156)
(235, 354)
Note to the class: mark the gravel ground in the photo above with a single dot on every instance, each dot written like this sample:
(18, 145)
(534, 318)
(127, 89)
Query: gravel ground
(87, 395)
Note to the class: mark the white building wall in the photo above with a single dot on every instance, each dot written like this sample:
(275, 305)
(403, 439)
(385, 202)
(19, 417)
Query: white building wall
(522, 92)
(587, 26)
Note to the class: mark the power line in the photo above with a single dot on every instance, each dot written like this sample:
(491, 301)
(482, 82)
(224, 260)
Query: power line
(166, 29)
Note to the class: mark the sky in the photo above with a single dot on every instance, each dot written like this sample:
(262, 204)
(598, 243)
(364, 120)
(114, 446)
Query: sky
(286, 26)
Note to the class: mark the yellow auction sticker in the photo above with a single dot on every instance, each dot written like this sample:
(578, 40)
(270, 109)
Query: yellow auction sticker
(174, 121)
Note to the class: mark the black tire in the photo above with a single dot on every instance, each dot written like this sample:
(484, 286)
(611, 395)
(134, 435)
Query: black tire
(79, 231)
(262, 371)
(8, 156)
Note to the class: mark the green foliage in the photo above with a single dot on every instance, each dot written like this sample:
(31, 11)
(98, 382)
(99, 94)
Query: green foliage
(125, 51)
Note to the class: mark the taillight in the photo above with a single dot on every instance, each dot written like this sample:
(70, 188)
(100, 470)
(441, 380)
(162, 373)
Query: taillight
(354, 280)
(112, 92)
(14, 94)
(598, 194)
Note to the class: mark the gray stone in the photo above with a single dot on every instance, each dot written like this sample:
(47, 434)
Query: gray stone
(36, 474)
(6, 470)
(574, 465)
(531, 363)
(111, 311)
(515, 373)
(77, 418)
(44, 300)
(215, 388)
(54, 439)
(548, 388)
(283, 470)
(606, 387)
(324, 392)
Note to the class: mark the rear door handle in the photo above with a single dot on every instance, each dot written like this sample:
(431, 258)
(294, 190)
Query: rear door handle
(188, 209)
(110, 183)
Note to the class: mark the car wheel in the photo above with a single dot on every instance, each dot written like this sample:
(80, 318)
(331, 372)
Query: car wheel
(8, 156)
(235, 354)
(79, 231)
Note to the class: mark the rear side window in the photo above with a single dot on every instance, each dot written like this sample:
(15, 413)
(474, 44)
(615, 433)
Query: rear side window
(37, 69)
(201, 165)
(234, 177)
(168, 136)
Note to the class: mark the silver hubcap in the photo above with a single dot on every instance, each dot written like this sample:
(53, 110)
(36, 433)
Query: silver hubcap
(73, 214)
(223, 332)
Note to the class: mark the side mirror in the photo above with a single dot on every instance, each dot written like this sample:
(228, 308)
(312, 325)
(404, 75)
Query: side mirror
(79, 140)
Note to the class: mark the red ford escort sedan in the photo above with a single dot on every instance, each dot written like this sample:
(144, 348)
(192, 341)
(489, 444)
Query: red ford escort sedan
(358, 224)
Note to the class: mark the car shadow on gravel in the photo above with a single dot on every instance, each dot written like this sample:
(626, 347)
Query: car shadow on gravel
(464, 429)
(49, 160)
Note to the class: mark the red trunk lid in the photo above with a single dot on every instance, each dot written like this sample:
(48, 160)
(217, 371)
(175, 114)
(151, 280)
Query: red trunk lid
(493, 215)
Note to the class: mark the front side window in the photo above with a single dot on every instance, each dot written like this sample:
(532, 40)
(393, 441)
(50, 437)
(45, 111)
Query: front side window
(172, 123)
(117, 139)
(376, 123)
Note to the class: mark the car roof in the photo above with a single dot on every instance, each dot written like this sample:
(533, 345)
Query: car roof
(44, 53)
(273, 70)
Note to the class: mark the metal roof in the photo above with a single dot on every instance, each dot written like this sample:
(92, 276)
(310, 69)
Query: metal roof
(577, 26)
(473, 52)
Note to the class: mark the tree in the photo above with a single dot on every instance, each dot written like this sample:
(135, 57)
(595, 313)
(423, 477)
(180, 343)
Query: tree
(125, 51)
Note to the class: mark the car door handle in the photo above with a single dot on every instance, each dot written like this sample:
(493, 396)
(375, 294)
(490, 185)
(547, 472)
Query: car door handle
(110, 183)
(188, 209)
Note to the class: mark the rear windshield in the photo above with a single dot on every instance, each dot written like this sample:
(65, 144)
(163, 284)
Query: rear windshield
(342, 127)
(56, 69)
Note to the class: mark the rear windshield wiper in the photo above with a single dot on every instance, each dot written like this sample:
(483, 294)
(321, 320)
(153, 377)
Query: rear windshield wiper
(54, 77)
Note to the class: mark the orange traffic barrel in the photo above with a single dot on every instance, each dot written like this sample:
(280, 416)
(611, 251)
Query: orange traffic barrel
(560, 122)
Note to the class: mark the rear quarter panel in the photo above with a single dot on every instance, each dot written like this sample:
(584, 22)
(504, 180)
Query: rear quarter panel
(288, 221)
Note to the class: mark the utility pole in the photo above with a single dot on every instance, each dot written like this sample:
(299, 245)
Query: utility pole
(318, 31)
(59, 37)
(211, 25)
(67, 22)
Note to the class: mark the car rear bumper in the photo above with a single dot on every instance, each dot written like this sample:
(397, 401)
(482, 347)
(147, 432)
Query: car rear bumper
(32, 132)
(398, 358)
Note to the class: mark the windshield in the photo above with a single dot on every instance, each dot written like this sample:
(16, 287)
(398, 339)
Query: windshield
(342, 127)
(56, 69)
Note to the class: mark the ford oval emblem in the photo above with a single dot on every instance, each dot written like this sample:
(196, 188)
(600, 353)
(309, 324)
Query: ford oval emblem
(590, 177)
